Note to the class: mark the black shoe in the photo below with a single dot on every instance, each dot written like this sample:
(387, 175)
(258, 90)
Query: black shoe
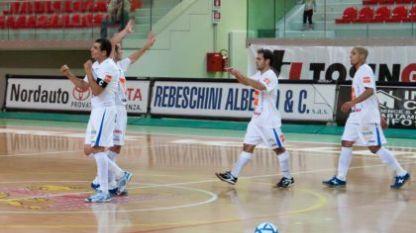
(227, 177)
(399, 181)
(334, 182)
(285, 182)
(122, 194)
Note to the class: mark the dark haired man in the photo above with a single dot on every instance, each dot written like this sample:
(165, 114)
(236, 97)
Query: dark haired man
(102, 78)
(121, 102)
(264, 126)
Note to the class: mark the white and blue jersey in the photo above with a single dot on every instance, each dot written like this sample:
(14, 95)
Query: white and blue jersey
(103, 106)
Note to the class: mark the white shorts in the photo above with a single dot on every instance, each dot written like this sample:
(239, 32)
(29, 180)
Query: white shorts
(364, 135)
(121, 125)
(100, 127)
(270, 137)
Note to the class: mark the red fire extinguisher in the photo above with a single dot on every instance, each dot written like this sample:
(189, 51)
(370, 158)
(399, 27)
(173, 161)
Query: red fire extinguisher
(218, 61)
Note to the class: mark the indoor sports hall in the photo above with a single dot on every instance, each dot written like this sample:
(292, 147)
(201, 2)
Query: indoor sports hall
(240, 116)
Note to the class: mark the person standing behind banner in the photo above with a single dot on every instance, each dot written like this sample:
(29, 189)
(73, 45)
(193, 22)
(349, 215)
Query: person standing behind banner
(309, 8)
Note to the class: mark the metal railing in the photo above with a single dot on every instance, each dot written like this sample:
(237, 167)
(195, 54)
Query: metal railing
(285, 19)
(73, 20)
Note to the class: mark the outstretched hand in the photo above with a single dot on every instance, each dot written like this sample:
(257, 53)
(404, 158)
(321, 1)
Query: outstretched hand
(232, 71)
(64, 69)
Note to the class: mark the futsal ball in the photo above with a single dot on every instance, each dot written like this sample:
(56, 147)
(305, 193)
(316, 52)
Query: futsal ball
(266, 227)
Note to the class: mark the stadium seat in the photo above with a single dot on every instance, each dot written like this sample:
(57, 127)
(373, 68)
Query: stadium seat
(66, 20)
(77, 6)
(412, 15)
(31, 21)
(98, 19)
(399, 14)
(135, 4)
(13, 8)
(365, 15)
(40, 7)
(26, 8)
(56, 7)
(100, 6)
(349, 15)
(10, 21)
(75, 20)
(55, 14)
(382, 14)
(2, 22)
(42, 21)
(48, 7)
(87, 6)
(55, 21)
(20, 22)
(68, 6)
(87, 20)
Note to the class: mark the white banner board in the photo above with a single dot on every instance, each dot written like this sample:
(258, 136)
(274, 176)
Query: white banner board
(62, 95)
(232, 100)
(332, 63)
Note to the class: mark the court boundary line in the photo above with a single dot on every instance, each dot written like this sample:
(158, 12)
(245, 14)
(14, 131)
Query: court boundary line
(198, 182)
(213, 198)
(231, 137)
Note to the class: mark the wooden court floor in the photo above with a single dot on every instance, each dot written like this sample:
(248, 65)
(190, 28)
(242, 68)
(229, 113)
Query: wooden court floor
(44, 178)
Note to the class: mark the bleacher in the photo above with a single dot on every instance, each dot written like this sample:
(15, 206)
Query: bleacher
(380, 11)
(53, 14)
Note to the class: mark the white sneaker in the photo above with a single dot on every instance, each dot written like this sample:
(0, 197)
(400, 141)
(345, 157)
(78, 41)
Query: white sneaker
(122, 183)
(99, 197)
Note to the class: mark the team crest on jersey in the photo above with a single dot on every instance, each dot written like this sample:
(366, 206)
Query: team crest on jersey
(267, 81)
(367, 80)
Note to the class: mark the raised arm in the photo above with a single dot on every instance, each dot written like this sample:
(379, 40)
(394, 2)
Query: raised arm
(118, 37)
(151, 39)
(245, 80)
(74, 79)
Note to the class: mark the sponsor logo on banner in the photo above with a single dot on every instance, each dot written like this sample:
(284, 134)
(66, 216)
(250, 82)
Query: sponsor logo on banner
(232, 100)
(331, 63)
(397, 104)
(60, 94)
(80, 94)
(137, 99)
(37, 94)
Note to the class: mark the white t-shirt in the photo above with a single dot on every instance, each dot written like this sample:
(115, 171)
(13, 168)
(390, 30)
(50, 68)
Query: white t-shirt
(121, 97)
(265, 111)
(366, 112)
(108, 72)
